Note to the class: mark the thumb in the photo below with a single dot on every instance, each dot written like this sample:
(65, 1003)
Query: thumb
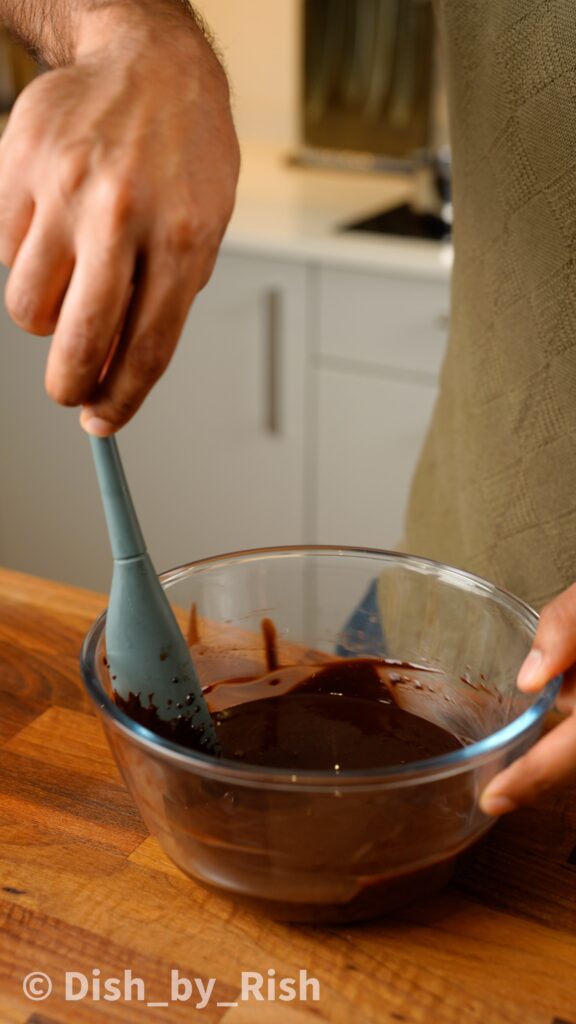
(554, 646)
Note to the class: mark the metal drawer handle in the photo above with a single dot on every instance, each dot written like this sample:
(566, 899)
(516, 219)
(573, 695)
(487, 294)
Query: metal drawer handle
(272, 362)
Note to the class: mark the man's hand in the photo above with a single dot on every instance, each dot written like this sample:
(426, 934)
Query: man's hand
(117, 179)
(553, 759)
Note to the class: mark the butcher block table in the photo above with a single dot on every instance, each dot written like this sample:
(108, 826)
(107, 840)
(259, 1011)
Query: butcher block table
(85, 889)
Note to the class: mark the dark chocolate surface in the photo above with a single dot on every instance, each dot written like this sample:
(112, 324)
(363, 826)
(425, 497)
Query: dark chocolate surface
(337, 716)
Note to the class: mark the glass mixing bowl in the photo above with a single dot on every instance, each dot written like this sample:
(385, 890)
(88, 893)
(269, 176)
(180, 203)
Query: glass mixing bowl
(323, 846)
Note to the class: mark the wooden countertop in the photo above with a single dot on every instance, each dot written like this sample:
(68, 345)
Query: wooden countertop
(84, 887)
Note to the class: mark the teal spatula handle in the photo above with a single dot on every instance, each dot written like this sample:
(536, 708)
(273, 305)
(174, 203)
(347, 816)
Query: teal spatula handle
(146, 651)
(126, 538)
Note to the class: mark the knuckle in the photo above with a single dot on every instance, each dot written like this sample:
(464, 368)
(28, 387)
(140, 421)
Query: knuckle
(549, 617)
(44, 323)
(119, 197)
(118, 410)
(25, 103)
(8, 249)
(122, 411)
(229, 201)
(208, 266)
(72, 171)
(24, 309)
(79, 351)
(148, 358)
(56, 393)
(182, 231)
(17, 149)
(61, 392)
(557, 617)
(81, 356)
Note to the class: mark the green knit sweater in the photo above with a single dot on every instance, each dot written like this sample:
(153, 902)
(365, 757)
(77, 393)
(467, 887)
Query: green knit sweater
(495, 488)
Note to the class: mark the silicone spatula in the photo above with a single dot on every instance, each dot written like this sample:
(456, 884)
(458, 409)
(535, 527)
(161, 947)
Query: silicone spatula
(146, 651)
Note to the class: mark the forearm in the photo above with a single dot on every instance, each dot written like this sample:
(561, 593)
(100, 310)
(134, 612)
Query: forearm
(55, 31)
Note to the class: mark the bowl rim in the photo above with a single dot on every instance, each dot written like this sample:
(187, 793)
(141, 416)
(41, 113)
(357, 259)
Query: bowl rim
(465, 759)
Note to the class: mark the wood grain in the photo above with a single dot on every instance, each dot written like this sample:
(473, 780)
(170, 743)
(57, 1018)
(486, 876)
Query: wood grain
(83, 886)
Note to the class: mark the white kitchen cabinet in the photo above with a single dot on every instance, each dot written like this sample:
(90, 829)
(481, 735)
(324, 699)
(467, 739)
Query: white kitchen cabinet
(214, 458)
(293, 412)
(378, 349)
(387, 320)
(216, 455)
(370, 431)
(50, 518)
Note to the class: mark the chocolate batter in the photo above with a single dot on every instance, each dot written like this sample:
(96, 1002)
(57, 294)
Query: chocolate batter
(337, 716)
(303, 856)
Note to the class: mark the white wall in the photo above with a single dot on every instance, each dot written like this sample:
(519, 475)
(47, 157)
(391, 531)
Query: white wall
(260, 41)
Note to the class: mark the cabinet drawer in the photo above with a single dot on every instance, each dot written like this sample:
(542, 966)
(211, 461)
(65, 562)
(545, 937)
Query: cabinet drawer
(370, 432)
(398, 322)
